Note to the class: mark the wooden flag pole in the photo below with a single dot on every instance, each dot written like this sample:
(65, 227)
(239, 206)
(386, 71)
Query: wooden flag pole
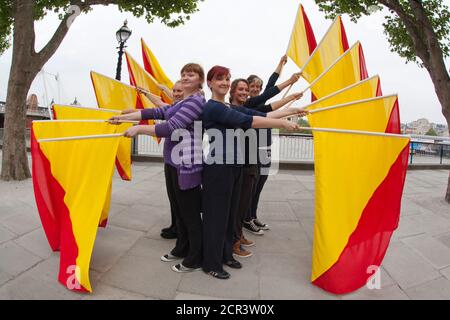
(82, 120)
(125, 121)
(342, 90)
(100, 136)
(314, 51)
(368, 133)
(88, 108)
(350, 103)
(342, 105)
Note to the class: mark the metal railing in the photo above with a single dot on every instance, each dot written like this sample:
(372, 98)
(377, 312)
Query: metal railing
(300, 147)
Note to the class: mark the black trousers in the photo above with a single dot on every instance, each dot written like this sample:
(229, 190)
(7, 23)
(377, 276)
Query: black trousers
(220, 198)
(249, 179)
(187, 205)
(170, 194)
(258, 187)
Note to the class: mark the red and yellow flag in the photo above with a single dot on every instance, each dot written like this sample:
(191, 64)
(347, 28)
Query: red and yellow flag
(71, 180)
(115, 95)
(141, 78)
(359, 185)
(302, 42)
(61, 112)
(380, 114)
(153, 67)
(365, 89)
(349, 69)
(333, 44)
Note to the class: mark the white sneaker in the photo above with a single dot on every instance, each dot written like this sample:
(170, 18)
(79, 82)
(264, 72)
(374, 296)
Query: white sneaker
(180, 268)
(169, 258)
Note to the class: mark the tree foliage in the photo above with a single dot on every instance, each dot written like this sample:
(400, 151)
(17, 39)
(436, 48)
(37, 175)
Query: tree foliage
(170, 12)
(394, 25)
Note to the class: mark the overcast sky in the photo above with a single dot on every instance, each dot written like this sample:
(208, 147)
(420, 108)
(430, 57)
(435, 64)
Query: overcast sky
(247, 36)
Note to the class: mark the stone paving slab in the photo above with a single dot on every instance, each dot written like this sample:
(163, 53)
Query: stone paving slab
(437, 289)
(15, 259)
(406, 267)
(40, 282)
(126, 259)
(431, 249)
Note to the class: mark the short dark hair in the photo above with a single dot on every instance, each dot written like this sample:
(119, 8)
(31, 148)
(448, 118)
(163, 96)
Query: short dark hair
(217, 71)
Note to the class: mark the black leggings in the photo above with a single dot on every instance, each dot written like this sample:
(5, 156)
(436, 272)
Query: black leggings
(187, 205)
(221, 192)
(171, 195)
(258, 187)
(249, 180)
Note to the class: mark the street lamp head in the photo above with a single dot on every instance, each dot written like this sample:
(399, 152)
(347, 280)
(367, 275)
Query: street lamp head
(123, 33)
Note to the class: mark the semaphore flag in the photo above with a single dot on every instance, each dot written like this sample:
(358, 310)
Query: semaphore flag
(141, 78)
(359, 185)
(62, 112)
(302, 42)
(71, 180)
(333, 44)
(115, 95)
(153, 67)
(347, 69)
(379, 114)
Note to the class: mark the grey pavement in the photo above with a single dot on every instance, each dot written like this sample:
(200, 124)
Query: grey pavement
(126, 259)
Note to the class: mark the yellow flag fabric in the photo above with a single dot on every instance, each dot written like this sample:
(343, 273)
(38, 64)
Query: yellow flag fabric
(330, 48)
(113, 94)
(80, 174)
(368, 88)
(366, 115)
(153, 67)
(141, 78)
(349, 168)
(62, 112)
(302, 42)
(347, 71)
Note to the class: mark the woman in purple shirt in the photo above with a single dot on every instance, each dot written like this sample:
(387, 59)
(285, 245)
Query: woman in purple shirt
(183, 163)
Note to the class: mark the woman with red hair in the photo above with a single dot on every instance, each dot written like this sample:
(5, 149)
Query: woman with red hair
(222, 170)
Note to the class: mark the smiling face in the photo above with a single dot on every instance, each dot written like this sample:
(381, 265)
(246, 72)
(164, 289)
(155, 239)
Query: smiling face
(177, 91)
(190, 81)
(220, 84)
(255, 88)
(239, 92)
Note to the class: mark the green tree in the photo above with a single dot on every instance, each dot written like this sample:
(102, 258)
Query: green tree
(416, 30)
(304, 123)
(431, 132)
(17, 19)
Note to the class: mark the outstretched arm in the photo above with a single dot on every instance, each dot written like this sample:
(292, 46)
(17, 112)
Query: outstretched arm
(157, 101)
(280, 103)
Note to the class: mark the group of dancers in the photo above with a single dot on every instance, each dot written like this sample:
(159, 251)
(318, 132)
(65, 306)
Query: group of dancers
(214, 192)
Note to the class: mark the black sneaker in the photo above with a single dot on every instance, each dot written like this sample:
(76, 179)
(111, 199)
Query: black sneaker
(169, 234)
(223, 275)
(233, 263)
(260, 224)
(171, 229)
(253, 228)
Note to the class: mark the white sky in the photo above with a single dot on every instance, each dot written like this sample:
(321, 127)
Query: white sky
(247, 36)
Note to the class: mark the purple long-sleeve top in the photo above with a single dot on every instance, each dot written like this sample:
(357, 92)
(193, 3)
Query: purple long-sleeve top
(182, 115)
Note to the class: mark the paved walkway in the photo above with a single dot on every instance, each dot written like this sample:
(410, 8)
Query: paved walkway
(125, 263)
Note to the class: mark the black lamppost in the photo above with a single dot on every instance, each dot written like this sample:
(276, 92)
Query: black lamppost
(122, 36)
